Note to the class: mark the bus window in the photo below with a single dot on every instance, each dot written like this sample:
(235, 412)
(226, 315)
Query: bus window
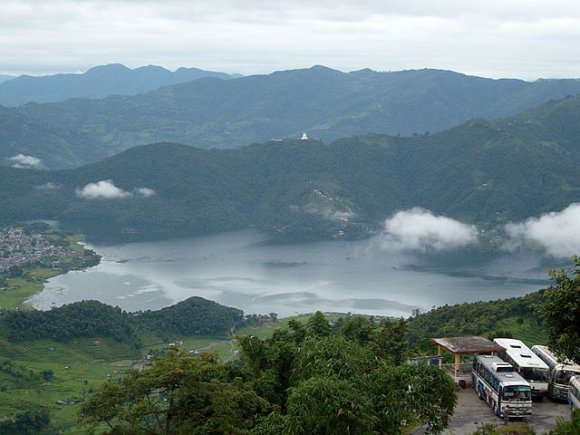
(517, 393)
(534, 374)
(563, 376)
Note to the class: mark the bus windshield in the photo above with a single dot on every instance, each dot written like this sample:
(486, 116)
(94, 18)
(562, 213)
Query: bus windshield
(517, 392)
(538, 375)
(563, 376)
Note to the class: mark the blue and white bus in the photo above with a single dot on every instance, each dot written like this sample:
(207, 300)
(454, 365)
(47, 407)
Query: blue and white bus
(561, 371)
(527, 364)
(504, 390)
(574, 393)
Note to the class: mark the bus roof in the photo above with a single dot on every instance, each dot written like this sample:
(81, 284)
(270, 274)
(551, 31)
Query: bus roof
(493, 362)
(558, 363)
(521, 354)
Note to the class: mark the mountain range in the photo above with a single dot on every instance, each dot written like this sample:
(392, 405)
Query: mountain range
(97, 82)
(215, 113)
(484, 172)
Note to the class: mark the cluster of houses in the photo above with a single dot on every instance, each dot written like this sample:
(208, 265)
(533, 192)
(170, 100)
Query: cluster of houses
(19, 248)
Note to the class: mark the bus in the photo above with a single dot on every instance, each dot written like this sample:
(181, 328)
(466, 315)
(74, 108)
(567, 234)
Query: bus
(574, 393)
(527, 364)
(502, 388)
(560, 372)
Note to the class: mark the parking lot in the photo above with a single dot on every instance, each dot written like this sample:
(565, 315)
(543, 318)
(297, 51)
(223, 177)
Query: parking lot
(471, 412)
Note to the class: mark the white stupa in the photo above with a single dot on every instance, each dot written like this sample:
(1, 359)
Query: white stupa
(304, 136)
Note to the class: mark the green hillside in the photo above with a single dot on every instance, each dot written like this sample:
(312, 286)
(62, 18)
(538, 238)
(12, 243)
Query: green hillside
(481, 172)
(328, 104)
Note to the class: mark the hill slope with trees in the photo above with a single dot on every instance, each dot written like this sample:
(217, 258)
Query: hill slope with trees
(485, 172)
(328, 104)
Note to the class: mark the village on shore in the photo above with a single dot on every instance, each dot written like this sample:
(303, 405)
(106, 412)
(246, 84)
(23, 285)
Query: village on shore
(20, 248)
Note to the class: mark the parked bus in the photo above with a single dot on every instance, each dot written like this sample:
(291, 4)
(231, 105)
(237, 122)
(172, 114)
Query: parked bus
(496, 382)
(527, 364)
(560, 372)
(574, 393)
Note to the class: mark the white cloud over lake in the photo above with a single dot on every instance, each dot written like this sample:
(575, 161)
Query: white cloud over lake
(106, 189)
(25, 161)
(558, 233)
(418, 229)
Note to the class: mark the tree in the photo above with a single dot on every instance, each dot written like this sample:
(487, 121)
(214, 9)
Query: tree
(318, 326)
(329, 406)
(31, 422)
(561, 311)
(180, 394)
(390, 341)
(358, 328)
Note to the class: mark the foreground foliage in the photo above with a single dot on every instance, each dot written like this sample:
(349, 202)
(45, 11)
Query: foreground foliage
(561, 311)
(179, 394)
(309, 379)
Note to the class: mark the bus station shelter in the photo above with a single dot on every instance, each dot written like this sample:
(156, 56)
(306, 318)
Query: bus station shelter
(460, 347)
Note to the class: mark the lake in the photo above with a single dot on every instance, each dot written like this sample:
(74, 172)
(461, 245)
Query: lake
(240, 270)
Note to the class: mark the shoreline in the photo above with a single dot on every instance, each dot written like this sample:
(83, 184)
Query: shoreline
(29, 279)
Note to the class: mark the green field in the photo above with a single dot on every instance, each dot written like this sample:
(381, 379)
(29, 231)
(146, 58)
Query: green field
(15, 291)
(78, 367)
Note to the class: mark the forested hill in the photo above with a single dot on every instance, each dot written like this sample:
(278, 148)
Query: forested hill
(98, 82)
(482, 172)
(192, 317)
(328, 104)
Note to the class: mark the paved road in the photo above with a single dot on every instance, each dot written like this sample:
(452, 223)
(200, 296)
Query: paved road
(472, 412)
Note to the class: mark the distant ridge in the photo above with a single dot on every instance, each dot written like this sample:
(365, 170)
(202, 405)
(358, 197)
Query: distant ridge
(325, 103)
(97, 82)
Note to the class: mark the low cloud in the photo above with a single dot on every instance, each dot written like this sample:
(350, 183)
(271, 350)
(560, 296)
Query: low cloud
(23, 161)
(47, 187)
(418, 229)
(105, 189)
(330, 213)
(558, 233)
(144, 191)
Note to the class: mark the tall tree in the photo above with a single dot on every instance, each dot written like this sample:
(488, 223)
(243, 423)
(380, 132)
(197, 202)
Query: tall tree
(180, 394)
(561, 311)
(318, 326)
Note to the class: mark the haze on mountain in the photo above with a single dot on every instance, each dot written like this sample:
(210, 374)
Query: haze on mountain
(216, 113)
(3, 78)
(483, 172)
(100, 81)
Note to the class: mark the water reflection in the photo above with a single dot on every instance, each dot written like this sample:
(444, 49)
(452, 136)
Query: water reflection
(238, 269)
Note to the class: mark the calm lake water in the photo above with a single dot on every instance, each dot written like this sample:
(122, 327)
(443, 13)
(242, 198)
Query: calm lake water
(239, 270)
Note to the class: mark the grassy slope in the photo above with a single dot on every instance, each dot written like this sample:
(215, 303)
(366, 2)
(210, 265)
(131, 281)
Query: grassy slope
(18, 290)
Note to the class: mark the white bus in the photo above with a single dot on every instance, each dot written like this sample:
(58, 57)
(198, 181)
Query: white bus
(496, 382)
(527, 364)
(574, 393)
(560, 372)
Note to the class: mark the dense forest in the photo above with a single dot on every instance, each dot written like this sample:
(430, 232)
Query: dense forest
(193, 317)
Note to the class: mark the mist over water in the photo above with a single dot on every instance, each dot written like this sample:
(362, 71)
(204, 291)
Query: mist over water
(238, 269)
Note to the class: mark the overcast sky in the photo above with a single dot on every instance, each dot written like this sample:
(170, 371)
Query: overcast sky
(493, 38)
